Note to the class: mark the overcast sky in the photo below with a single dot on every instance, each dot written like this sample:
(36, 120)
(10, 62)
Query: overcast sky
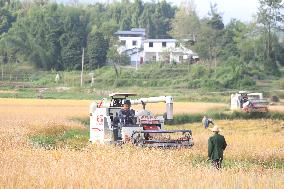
(239, 9)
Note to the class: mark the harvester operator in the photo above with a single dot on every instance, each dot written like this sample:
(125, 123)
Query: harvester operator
(126, 114)
(244, 99)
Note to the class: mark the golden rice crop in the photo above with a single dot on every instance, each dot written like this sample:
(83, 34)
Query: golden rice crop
(277, 108)
(251, 145)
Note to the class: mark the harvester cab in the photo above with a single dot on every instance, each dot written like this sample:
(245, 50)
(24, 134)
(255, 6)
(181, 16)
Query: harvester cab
(143, 128)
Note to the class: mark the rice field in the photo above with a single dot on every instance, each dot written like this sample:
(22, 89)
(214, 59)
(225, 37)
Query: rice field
(254, 157)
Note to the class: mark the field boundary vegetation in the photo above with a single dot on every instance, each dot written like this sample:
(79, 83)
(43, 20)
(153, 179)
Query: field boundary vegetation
(216, 115)
(149, 80)
(224, 115)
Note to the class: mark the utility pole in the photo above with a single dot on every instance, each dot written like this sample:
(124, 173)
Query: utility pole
(2, 67)
(82, 69)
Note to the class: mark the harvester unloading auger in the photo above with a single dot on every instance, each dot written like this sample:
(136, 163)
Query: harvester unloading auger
(146, 129)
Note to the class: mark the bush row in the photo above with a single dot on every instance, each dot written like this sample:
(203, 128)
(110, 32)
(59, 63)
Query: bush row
(218, 115)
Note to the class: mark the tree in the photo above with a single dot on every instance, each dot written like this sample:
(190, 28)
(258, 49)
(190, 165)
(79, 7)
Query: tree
(186, 24)
(71, 52)
(162, 19)
(209, 42)
(5, 21)
(216, 20)
(97, 48)
(234, 34)
(137, 9)
(113, 57)
(270, 19)
(8, 14)
(74, 36)
(146, 20)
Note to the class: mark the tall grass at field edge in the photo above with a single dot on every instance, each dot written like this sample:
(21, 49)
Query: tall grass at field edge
(222, 115)
(214, 114)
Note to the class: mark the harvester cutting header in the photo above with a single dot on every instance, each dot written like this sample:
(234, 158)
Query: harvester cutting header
(112, 121)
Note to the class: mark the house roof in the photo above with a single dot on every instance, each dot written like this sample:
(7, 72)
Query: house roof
(139, 29)
(129, 33)
(133, 31)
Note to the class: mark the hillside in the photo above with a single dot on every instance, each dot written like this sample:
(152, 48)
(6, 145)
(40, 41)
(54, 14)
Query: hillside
(197, 82)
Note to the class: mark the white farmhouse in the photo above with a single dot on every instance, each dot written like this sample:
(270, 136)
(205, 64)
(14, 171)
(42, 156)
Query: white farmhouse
(167, 50)
(140, 49)
(131, 43)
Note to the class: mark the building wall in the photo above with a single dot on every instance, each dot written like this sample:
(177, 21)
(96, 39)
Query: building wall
(164, 56)
(158, 47)
(135, 58)
(129, 40)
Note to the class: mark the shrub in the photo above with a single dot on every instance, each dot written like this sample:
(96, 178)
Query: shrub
(73, 138)
(247, 81)
(198, 71)
(185, 118)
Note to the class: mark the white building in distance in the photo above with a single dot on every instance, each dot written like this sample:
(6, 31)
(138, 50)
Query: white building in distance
(140, 49)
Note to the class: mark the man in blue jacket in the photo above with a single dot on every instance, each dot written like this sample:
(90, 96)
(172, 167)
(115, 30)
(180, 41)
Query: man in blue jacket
(206, 121)
(126, 114)
(216, 146)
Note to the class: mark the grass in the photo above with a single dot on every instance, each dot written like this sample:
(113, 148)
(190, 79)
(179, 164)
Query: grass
(87, 92)
(151, 79)
(71, 139)
(253, 158)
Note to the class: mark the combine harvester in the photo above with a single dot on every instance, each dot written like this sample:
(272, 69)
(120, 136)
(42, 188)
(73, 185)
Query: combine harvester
(147, 129)
(249, 102)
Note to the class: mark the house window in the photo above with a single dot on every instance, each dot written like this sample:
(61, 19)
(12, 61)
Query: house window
(164, 44)
(123, 42)
(134, 43)
(151, 44)
(154, 58)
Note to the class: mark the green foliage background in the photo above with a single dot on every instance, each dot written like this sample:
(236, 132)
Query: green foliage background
(50, 37)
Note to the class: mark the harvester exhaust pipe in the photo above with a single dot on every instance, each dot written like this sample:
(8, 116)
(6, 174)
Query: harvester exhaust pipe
(169, 107)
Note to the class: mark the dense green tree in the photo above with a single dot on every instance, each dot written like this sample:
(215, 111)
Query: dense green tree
(6, 20)
(234, 34)
(137, 9)
(27, 39)
(162, 19)
(8, 14)
(210, 39)
(186, 24)
(216, 20)
(73, 39)
(71, 52)
(270, 19)
(97, 50)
